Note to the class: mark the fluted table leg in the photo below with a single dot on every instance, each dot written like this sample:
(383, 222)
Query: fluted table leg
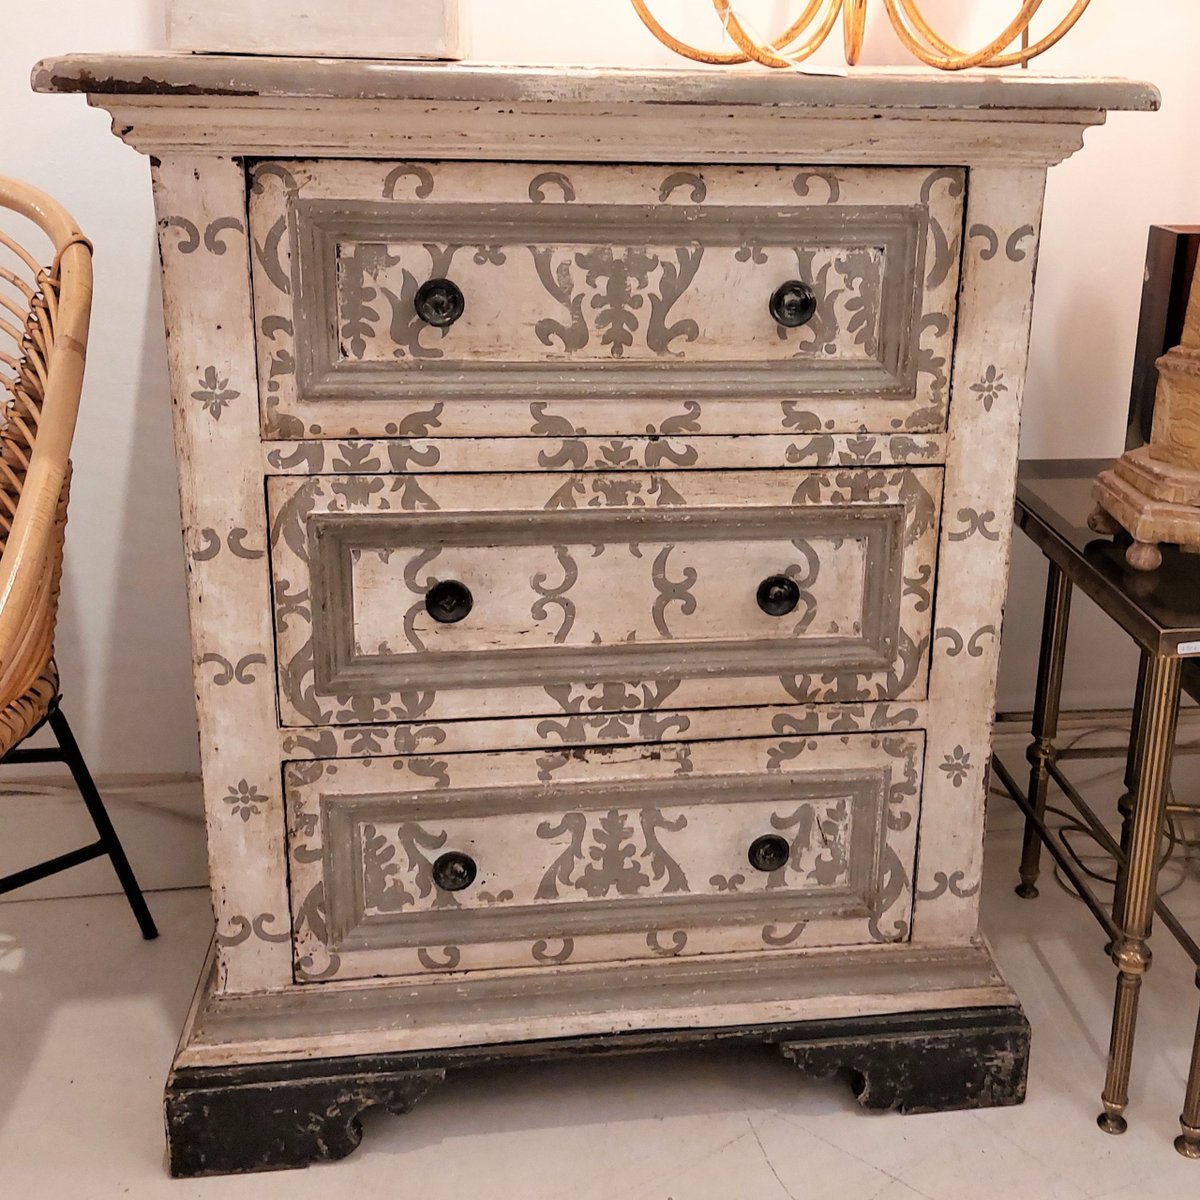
(1125, 804)
(1188, 1142)
(1131, 952)
(1045, 719)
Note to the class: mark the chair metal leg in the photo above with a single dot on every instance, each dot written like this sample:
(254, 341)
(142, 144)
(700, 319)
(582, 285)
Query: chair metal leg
(109, 842)
(1045, 720)
(1131, 951)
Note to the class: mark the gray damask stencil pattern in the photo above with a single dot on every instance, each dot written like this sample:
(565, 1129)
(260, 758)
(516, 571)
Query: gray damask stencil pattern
(581, 283)
(658, 842)
(604, 855)
(585, 586)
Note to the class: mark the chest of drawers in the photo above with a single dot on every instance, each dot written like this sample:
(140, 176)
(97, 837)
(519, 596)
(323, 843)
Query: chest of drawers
(596, 489)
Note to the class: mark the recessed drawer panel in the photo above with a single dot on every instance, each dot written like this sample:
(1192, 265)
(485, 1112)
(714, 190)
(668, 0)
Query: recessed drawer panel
(453, 596)
(474, 299)
(519, 859)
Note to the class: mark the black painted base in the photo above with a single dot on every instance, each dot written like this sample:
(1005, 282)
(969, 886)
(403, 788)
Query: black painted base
(266, 1116)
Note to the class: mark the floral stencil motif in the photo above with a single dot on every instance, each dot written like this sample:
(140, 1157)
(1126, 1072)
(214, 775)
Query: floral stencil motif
(358, 269)
(613, 860)
(674, 281)
(819, 335)
(990, 388)
(391, 884)
(407, 327)
(956, 766)
(244, 800)
(624, 278)
(214, 393)
(311, 925)
(616, 288)
(727, 883)
(862, 268)
(819, 835)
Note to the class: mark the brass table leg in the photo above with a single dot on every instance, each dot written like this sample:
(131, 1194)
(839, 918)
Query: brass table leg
(1188, 1142)
(1137, 733)
(1131, 953)
(1045, 719)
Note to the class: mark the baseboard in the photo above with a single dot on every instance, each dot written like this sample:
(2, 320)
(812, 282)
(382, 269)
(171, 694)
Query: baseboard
(1111, 726)
(160, 820)
(1101, 779)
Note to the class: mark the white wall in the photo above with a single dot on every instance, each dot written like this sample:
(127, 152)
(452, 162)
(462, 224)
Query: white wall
(123, 636)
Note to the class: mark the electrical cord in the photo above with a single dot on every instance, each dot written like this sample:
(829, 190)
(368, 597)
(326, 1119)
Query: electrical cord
(1179, 851)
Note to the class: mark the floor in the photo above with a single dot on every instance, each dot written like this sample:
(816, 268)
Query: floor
(89, 1016)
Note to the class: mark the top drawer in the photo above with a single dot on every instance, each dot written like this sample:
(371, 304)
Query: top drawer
(601, 299)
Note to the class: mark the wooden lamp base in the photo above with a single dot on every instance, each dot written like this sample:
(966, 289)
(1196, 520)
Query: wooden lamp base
(1153, 501)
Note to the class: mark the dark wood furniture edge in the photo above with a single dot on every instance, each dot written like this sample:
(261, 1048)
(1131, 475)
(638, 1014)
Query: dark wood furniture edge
(269, 1116)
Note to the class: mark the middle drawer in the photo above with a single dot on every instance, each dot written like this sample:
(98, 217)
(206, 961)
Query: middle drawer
(449, 596)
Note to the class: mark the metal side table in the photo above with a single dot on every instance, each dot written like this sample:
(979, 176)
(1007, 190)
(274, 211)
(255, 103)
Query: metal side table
(1160, 611)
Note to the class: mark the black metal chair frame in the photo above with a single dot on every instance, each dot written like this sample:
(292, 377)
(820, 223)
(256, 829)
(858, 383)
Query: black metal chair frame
(107, 843)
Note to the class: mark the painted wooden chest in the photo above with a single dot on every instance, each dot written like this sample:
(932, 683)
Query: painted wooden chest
(596, 488)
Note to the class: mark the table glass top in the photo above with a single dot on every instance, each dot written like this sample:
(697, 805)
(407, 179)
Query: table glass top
(1054, 499)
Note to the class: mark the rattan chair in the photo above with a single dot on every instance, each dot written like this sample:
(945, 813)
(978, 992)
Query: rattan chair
(44, 314)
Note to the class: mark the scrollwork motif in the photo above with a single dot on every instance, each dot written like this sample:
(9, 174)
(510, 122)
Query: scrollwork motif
(671, 591)
(556, 595)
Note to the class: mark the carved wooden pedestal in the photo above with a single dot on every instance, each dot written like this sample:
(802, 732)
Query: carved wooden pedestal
(1154, 502)
(1154, 492)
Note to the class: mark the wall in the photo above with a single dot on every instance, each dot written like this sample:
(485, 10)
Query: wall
(123, 637)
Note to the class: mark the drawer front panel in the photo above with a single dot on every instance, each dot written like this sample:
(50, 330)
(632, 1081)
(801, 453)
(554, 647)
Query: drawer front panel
(611, 299)
(591, 856)
(599, 593)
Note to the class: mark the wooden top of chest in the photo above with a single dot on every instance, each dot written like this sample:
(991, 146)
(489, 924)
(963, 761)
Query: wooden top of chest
(164, 102)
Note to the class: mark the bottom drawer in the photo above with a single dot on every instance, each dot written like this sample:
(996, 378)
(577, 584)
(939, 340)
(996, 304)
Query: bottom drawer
(407, 865)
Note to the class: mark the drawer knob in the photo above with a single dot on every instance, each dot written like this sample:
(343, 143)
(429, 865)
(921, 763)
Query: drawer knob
(793, 304)
(454, 871)
(769, 852)
(440, 302)
(449, 602)
(778, 595)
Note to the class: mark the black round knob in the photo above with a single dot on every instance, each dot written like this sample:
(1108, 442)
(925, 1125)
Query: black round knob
(778, 595)
(793, 304)
(769, 852)
(454, 871)
(439, 302)
(449, 601)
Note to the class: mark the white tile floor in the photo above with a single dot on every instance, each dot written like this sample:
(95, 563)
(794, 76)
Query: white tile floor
(89, 1016)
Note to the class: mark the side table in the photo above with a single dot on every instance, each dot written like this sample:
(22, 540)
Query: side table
(1160, 611)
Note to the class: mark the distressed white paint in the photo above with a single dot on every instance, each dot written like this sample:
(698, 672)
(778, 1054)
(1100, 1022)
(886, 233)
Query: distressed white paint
(211, 357)
(203, 224)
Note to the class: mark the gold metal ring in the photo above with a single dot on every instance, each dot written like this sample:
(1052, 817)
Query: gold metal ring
(708, 56)
(810, 30)
(854, 28)
(793, 53)
(956, 59)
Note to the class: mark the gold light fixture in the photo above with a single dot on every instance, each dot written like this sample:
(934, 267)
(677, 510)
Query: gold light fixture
(816, 22)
